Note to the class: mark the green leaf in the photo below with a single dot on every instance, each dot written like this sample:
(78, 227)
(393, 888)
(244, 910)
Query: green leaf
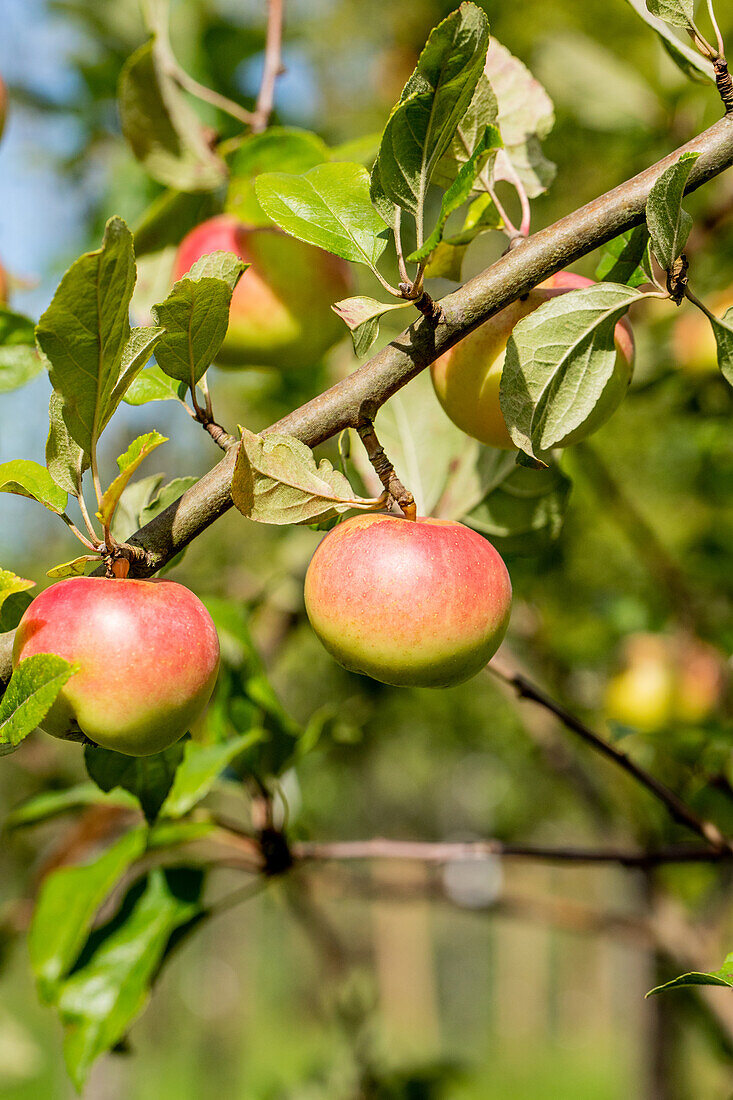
(135, 354)
(622, 258)
(74, 568)
(67, 903)
(19, 360)
(65, 459)
(329, 207)
(29, 479)
(12, 610)
(686, 58)
(446, 261)
(149, 778)
(525, 118)
(678, 13)
(276, 480)
(29, 696)
(195, 316)
(10, 583)
(49, 804)
(154, 385)
(723, 331)
(199, 769)
(84, 332)
(136, 453)
(483, 111)
(525, 511)
(277, 149)
(669, 225)
(99, 1001)
(126, 519)
(361, 316)
(459, 191)
(559, 360)
(162, 130)
(160, 500)
(433, 102)
(724, 977)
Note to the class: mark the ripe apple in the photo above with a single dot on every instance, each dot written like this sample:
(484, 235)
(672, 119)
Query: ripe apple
(148, 655)
(281, 313)
(693, 344)
(467, 377)
(422, 603)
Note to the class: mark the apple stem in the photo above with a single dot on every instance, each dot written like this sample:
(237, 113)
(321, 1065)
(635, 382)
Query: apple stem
(205, 417)
(384, 469)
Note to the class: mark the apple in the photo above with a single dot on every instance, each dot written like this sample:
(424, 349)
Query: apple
(693, 344)
(148, 655)
(422, 603)
(4, 286)
(281, 313)
(467, 377)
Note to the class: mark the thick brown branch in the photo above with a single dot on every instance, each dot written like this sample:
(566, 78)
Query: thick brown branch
(678, 810)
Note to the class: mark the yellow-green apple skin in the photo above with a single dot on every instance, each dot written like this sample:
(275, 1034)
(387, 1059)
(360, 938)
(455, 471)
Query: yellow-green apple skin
(148, 655)
(693, 343)
(421, 603)
(280, 315)
(467, 377)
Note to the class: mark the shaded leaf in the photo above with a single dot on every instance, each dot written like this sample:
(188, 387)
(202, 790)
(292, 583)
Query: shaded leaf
(136, 453)
(65, 459)
(149, 778)
(276, 480)
(19, 360)
(669, 225)
(169, 217)
(483, 111)
(361, 316)
(328, 206)
(524, 511)
(686, 58)
(49, 804)
(723, 332)
(67, 904)
(10, 583)
(25, 478)
(99, 1001)
(559, 360)
(162, 130)
(135, 354)
(29, 696)
(623, 257)
(433, 102)
(525, 118)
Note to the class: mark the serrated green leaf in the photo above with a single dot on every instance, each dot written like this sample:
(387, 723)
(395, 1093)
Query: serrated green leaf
(136, 453)
(687, 59)
(154, 385)
(162, 130)
(98, 1002)
(361, 316)
(29, 696)
(724, 977)
(559, 360)
(25, 478)
(678, 13)
(459, 191)
(276, 480)
(199, 769)
(525, 511)
(164, 496)
(67, 903)
(433, 102)
(195, 316)
(19, 360)
(65, 459)
(84, 332)
(74, 568)
(328, 206)
(525, 117)
(483, 111)
(669, 225)
(149, 778)
(277, 149)
(622, 258)
(49, 804)
(135, 354)
(10, 583)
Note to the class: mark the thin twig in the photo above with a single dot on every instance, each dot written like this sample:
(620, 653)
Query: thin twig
(384, 469)
(273, 66)
(678, 810)
(82, 538)
(476, 850)
(208, 95)
(716, 29)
